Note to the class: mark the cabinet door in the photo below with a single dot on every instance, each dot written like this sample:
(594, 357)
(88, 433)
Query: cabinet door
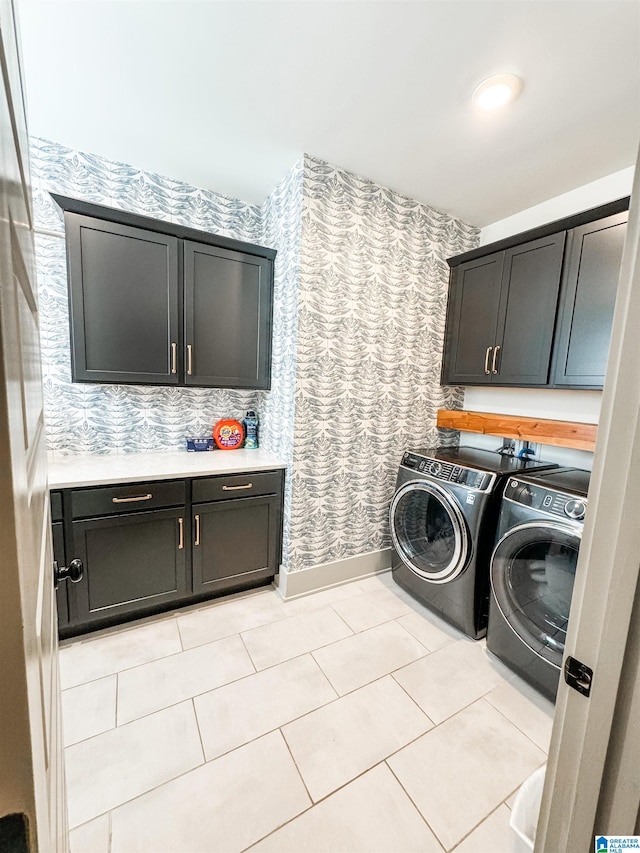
(132, 563)
(588, 300)
(57, 530)
(526, 318)
(124, 302)
(228, 317)
(471, 321)
(235, 543)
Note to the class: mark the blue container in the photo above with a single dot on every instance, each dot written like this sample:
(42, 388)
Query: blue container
(250, 423)
(197, 444)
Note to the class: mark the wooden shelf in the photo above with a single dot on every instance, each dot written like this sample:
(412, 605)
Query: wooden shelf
(556, 433)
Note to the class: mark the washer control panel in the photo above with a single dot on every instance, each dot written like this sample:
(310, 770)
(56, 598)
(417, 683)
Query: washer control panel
(447, 471)
(549, 501)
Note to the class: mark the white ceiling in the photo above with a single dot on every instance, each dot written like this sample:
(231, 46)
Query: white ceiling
(226, 95)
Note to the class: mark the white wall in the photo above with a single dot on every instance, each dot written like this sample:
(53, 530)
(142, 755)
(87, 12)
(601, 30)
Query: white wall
(578, 406)
(598, 192)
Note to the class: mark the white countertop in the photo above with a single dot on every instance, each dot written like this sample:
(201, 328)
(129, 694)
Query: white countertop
(67, 472)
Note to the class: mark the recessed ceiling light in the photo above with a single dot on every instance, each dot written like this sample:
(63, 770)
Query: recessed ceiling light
(496, 91)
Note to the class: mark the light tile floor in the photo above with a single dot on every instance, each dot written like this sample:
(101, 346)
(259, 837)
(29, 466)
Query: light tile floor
(349, 720)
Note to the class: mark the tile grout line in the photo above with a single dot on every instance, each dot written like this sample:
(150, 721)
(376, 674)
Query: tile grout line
(307, 714)
(236, 681)
(295, 764)
(195, 714)
(93, 680)
(158, 619)
(480, 822)
(189, 697)
(180, 634)
(315, 804)
(246, 648)
(410, 798)
(503, 714)
(310, 653)
(110, 811)
(406, 692)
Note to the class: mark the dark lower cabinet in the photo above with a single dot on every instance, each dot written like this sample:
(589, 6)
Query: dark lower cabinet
(132, 562)
(59, 555)
(235, 542)
(57, 530)
(148, 547)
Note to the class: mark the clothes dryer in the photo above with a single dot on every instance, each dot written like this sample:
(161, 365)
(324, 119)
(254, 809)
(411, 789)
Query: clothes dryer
(532, 572)
(443, 521)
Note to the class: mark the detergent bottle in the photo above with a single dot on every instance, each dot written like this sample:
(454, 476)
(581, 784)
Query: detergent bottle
(251, 430)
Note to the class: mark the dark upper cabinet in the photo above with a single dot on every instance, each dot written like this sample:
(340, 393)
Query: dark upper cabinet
(160, 304)
(528, 301)
(123, 295)
(473, 319)
(536, 309)
(227, 317)
(587, 301)
(491, 335)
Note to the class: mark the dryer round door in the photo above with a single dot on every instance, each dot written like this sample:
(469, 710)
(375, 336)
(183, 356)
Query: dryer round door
(532, 572)
(429, 532)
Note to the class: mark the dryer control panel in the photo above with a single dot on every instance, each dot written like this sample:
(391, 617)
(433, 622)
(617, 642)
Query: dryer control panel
(446, 471)
(548, 501)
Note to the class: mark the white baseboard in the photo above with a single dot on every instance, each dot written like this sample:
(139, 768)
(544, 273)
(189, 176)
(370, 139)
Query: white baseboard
(295, 584)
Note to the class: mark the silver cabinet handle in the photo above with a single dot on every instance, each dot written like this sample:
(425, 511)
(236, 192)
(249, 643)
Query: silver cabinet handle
(174, 357)
(131, 500)
(495, 359)
(486, 360)
(235, 488)
(197, 520)
(189, 359)
(180, 534)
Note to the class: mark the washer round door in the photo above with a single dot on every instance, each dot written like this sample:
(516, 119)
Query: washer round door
(429, 532)
(532, 573)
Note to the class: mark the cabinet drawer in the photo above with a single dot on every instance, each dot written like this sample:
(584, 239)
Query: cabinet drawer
(56, 506)
(131, 497)
(236, 486)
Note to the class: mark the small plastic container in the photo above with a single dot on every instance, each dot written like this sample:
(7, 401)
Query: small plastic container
(250, 424)
(526, 809)
(228, 434)
(198, 444)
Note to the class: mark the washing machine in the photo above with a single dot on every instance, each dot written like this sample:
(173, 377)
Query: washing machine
(443, 520)
(532, 571)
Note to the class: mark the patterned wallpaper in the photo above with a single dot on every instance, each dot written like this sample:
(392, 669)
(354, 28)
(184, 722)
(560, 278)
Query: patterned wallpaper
(282, 230)
(86, 418)
(360, 297)
(372, 301)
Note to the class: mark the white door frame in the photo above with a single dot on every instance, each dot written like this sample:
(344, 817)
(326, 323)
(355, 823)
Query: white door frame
(592, 784)
(33, 811)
